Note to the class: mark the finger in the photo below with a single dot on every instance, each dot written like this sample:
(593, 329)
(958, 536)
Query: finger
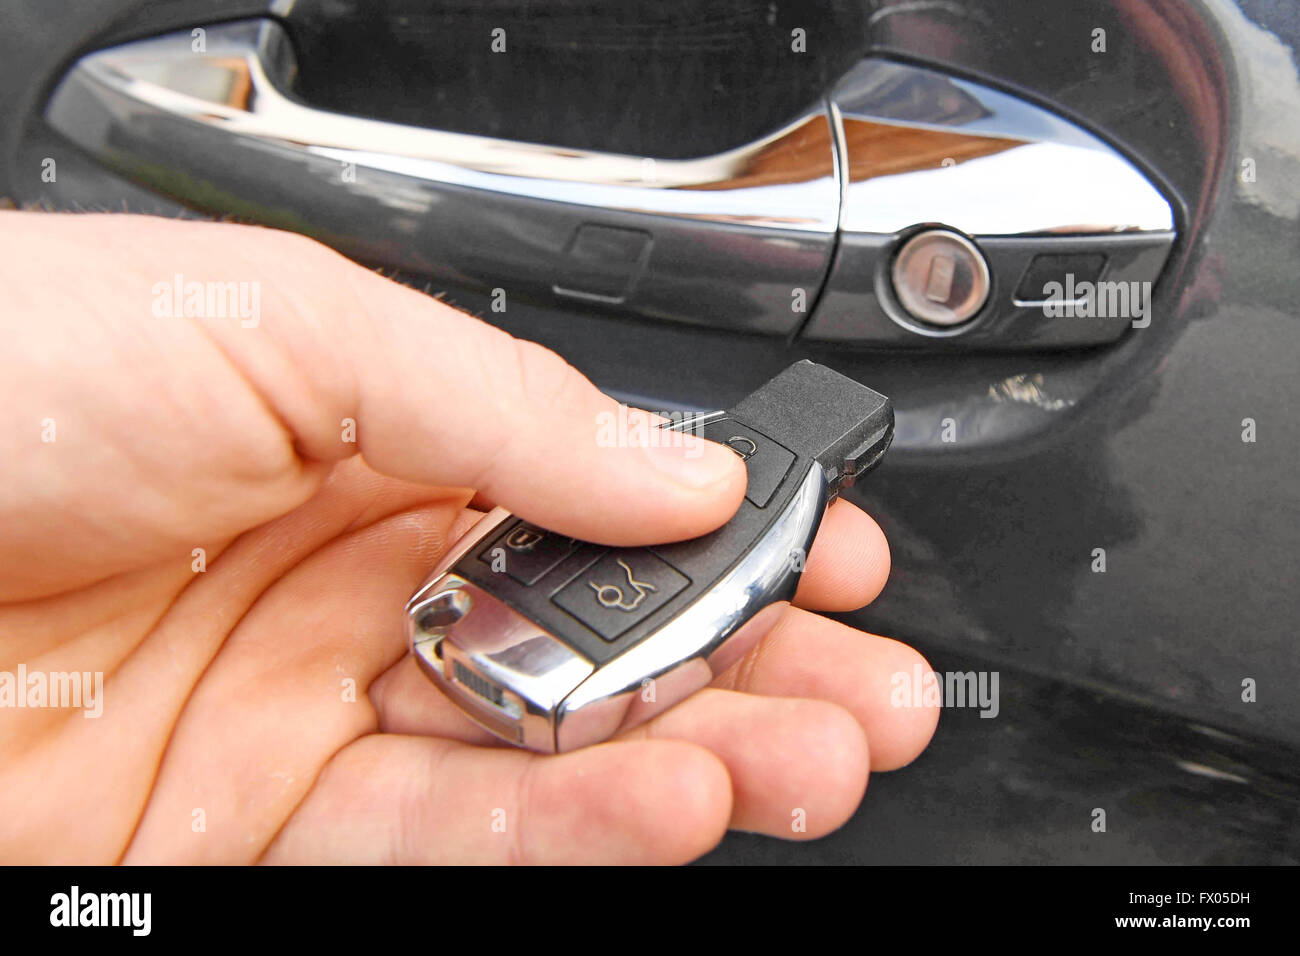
(198, 428)
(848, 563)
(414, 800)
(876, 679)
(798, 768)
(442, 398)
(521, 426)
(805, 657)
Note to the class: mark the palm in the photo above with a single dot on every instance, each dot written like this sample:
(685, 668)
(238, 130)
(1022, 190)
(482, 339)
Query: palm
(226, 691)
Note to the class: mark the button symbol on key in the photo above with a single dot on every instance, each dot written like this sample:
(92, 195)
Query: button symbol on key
(526, 553)
(742, 446)
(617, 600)
(523, 538)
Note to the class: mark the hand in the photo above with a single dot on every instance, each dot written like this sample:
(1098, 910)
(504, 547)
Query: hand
(184, 511)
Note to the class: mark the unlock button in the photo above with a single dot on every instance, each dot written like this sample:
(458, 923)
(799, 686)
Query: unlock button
(622, 588)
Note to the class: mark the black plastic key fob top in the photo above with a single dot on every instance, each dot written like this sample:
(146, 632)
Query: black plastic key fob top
(553, 643)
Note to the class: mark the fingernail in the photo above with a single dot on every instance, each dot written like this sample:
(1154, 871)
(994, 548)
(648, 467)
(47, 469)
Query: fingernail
(692, 461)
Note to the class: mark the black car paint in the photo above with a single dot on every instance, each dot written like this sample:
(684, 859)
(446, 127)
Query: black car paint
(1119, 690)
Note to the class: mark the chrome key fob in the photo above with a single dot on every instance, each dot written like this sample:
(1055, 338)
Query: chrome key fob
(553, 643)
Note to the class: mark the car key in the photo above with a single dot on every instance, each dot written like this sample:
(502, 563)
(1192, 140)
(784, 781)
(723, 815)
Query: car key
(553, 643)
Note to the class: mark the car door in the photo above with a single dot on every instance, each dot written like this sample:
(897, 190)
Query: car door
(1061, 237)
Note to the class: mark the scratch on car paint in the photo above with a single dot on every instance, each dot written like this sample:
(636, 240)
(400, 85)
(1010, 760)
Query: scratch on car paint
(1028, 390)
(1203, 771)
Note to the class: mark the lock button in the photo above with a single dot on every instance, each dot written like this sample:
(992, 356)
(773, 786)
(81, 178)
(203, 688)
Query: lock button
(526, 552)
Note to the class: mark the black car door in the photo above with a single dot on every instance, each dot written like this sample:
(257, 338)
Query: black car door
(1061, 237)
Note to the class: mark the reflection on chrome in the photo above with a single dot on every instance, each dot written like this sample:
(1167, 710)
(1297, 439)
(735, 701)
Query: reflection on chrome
(920, 147)
(895, 146)
(240, 85)
(705, 638)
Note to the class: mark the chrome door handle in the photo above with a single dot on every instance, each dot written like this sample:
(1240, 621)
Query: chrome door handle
(1020, 198)
(730, 235)
(748, 239)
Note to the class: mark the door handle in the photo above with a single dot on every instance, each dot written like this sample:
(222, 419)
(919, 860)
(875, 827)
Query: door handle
(975, 220)
(901, 174)
(721, 240)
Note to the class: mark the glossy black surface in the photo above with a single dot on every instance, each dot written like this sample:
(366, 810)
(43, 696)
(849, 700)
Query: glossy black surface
(1120, 690)
(1024, 788)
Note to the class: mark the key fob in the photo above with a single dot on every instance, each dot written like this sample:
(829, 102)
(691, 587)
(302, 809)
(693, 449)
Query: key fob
(553, 643)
